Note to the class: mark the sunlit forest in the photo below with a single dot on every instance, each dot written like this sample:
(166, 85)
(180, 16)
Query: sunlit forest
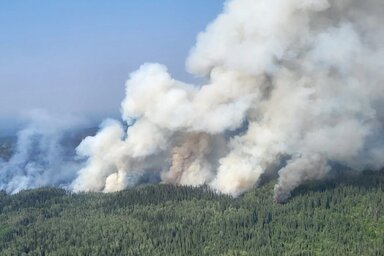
(342, 216)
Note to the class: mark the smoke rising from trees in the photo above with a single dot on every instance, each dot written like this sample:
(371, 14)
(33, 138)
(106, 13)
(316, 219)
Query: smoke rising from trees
(293, 87)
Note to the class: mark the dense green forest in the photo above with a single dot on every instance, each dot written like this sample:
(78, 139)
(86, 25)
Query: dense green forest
(344, 216)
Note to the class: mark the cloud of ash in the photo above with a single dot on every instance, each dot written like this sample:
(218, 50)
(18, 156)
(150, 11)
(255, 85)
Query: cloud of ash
(305, 75)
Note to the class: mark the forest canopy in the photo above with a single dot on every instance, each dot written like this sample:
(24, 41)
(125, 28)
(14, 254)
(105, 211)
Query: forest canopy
(343, 216)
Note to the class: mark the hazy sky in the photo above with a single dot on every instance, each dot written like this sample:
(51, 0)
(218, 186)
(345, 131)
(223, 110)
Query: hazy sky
(75, 55)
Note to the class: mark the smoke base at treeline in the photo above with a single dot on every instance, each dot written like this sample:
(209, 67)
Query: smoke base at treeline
(295, 89)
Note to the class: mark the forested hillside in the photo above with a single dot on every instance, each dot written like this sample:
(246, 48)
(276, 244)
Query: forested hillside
(344, 216)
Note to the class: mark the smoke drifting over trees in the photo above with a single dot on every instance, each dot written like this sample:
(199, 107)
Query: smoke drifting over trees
(42, 156)
(293, 87)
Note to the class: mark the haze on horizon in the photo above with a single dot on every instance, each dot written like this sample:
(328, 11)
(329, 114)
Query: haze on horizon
(289, 88)
(73, 57)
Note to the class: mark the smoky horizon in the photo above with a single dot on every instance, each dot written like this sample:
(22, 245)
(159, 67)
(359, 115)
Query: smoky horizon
(290, 88)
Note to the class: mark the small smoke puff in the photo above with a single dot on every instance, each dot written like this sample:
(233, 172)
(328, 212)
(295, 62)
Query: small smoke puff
(298, 170)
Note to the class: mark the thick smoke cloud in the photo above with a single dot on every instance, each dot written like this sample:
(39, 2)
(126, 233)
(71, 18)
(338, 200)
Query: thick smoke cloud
(304, 75)
(41, 157)
(294, 87)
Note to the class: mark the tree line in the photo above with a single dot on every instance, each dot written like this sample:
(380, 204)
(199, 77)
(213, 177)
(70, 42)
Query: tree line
(343, 216)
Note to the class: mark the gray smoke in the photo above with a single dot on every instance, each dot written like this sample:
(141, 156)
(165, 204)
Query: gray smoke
(304, 75)
(41, 157)
(298, 170)
(293, 87)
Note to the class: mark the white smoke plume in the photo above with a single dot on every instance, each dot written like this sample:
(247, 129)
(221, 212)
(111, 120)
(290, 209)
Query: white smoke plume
(40, 157)
(293, 87)
(298, 79)
(297, 171)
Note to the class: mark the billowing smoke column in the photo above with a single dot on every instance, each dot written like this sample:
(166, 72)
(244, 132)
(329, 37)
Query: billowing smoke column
(287, 79)
(41, 157)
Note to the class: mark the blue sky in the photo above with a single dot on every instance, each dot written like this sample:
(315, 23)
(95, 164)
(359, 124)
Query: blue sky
(73, 56)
